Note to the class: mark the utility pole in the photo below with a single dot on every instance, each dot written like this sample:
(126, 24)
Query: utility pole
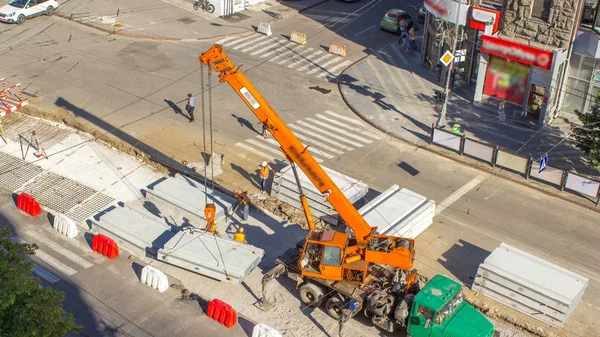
(441, 122)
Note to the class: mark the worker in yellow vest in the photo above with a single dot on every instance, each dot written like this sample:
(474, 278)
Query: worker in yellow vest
(264, 171)
(212, 227)
(239, 236)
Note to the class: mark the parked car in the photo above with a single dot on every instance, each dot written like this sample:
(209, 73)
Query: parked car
(18, 10)
(391, 20)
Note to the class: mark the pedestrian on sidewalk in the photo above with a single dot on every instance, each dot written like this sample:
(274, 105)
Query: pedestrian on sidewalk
(239, 236)
(412, 40)
(501, 114)
(190, 106)
(264, 172)
(265, 131)
(403, 32)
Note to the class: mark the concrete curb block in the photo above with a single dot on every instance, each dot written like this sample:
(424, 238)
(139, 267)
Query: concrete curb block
(461, 159)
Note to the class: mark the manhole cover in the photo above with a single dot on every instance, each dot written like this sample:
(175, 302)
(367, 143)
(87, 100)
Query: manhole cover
(186, 20)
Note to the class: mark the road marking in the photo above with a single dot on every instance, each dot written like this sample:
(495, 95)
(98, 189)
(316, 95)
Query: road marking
(85, 248)
(325, 139)
(262, 37)
(301, 55)
(221, 41)
(346, 118)
(287, 53)
(405, 89)
(323, 66)
(339, 66)
(264, 42)
(275, 44)
(264, 147)
(309, 136)
(361, 130)
(325, 125)
(275, 143)
(364, 30)
(60, 249)
(417, 78)
(306, 59)
(439, 208)
(253, 150)
(333, 135)
(43, 273)
(235, 42)
(316, 62)
(288, 46)
(316, 144)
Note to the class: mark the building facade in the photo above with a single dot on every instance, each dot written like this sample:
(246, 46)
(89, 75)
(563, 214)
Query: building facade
(516, 49)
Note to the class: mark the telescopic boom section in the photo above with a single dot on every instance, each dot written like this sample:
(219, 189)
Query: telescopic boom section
(216, 59)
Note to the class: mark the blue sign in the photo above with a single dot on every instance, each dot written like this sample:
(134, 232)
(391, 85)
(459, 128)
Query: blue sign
(543, 163)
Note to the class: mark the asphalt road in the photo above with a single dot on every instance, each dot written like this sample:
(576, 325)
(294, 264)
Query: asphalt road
(126, 84)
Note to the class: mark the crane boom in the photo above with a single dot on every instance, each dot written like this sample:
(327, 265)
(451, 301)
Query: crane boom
(292, 148)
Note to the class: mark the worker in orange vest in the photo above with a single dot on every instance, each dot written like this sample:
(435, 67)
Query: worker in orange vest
(264, 171)
(239, 236)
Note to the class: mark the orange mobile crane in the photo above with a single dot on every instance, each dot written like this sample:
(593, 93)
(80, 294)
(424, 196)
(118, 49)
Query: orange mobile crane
(331, 258)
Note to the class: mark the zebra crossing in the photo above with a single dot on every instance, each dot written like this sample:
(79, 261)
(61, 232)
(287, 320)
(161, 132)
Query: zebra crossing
(57, 255)
(329, 135)
(278, 50)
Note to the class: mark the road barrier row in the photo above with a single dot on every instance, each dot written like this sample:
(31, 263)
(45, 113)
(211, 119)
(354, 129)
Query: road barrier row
(222, 313)
(337, 49)
(298, 37)
(105, 246)
(28, 204)
(528, 167)
(154, 278)
(264, 28)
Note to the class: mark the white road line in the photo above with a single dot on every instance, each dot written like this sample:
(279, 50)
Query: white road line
(300, 55)
(84, 247)
(46, 275)
(237, 41)
(439, 208)
(316, 62)
(325, 125)
(315, 145)
(253, 150)
(305, 59)
(341, 65)
(299, 132)
(275, 143)
(361, 131)
(264, 147)
(261, 37)
(416, 78)
(288, 45)
(54, 263)
(291, 51)
(346, 118)
(275, 44)
(325, 139)
(221, 41)
(364, 30)
(59, 249)
(267, 41)
(347, 141)
(323, 66)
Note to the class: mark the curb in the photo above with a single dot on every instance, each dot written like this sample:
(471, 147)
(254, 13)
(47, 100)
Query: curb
(460, 159)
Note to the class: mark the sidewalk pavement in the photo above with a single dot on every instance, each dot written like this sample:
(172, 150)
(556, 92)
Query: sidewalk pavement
(395, 92)
(174, 20)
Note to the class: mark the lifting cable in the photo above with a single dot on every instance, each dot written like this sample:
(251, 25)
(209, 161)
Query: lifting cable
(204, 133)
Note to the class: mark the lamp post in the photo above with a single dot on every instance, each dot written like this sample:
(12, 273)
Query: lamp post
(441, 122)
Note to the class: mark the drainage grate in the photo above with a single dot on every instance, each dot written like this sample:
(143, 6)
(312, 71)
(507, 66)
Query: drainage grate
(58, 193)
(15, 172)
(49, 135)
(90, 207)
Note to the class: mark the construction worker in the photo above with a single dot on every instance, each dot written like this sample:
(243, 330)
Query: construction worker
(264, 171)
(212, 227)
(239, 236)
(242, 199)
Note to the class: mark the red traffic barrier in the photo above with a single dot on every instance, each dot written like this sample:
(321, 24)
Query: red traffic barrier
(28, 204)
(222, 313)
(105, 246)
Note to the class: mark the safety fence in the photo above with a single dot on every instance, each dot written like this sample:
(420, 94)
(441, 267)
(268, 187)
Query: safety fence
(528, 167)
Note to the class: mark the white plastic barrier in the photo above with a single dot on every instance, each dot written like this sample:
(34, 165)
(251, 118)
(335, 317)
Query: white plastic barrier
(65, 225)
(154, 278)
(263, 330)
(264, 28)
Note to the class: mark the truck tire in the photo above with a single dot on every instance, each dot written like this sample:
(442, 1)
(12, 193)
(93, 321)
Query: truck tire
(311, 295)
(334, 306)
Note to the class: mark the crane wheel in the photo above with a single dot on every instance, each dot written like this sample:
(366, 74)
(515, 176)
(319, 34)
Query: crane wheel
(334, 307)
(311, 295)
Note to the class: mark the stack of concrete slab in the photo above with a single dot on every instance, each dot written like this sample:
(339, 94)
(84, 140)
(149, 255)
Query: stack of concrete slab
(285, 189)
(399, 212)
(182, 197)
(212, 256)
(133, 229)
(530, 284)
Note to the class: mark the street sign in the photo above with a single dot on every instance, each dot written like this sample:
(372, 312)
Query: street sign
(446, 58)
(543, 163)
(461, 55)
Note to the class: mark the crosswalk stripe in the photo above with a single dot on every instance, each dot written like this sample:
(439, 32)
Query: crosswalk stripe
(305, 59)
(237, 41)
(253, 150)
(60, 249)
(252, 41)
(275, 143)
(264, 147)
(76, 243)
(328, 140)
(287, 45)
(322, 66)
(43, 273)
(315, 62)
(362, 131)
(54, 263)
(346, 118)
(221, 41)
(275, 44)
(300, 135)
(325, 125)
(300, 55)
(287, 53)
(315, 146)
(264, 42)
(339, 66)
(333, 135)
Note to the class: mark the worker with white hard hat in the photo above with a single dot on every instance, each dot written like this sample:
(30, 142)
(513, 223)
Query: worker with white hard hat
(264, 171)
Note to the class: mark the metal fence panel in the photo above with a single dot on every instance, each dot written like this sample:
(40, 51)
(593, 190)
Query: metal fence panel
(550, 174)
(447, 139)
(478, 150)
(582, 185)
(512, 161)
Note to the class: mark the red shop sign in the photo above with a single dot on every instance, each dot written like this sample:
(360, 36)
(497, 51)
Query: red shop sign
(517, 52)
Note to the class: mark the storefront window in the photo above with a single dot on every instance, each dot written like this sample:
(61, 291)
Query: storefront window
(590, 17)
(581, 73)
(576, 94)
(505, 79)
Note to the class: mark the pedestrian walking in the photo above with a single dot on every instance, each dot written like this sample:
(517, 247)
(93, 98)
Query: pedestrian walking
(239, 236)
(265, 131)
(264, 171)
(412, 40)
(501, 114)
(403, 32)
(190, 106)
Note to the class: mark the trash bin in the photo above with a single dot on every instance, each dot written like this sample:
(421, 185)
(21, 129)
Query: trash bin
(456, 129)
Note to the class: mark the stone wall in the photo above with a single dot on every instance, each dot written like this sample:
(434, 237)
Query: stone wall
(554, 33)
